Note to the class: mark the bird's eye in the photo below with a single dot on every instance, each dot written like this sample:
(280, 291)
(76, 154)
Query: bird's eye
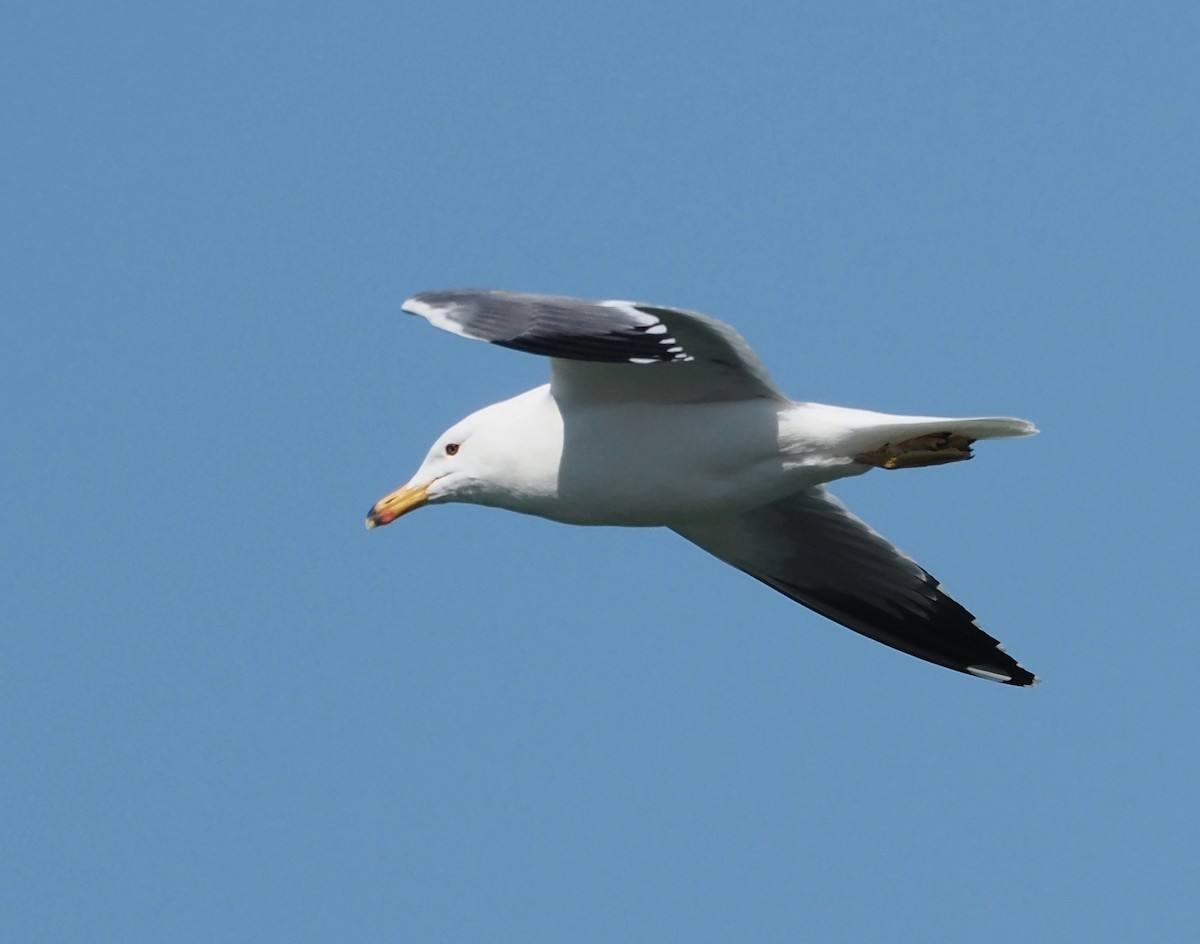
(451, 449)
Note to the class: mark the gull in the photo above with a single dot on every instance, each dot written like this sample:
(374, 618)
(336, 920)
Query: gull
(659, 417)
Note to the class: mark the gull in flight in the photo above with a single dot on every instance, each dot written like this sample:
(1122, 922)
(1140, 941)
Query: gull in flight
(657, 417)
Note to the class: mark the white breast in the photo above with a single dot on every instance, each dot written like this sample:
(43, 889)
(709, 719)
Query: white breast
(647, 464)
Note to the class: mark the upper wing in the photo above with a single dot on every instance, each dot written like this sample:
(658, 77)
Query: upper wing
(812, 549)
(602, 350)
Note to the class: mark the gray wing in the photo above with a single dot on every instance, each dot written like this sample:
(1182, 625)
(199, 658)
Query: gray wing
(612, 350)
(810, 548)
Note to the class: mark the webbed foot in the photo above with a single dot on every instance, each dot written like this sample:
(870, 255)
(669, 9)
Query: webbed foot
(931, 449)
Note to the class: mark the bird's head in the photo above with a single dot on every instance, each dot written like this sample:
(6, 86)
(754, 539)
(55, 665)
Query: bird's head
(475, 461)
(454, 469)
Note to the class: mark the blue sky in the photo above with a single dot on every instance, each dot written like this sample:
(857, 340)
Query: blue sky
(230, 713)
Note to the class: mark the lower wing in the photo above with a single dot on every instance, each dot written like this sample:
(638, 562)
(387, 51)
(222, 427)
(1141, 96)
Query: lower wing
(810, 548)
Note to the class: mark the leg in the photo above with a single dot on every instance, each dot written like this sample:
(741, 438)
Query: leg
(931, 449)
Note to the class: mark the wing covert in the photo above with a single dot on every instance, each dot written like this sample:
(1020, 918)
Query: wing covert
(601, 350)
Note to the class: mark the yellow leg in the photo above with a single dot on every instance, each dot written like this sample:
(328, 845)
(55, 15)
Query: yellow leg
(932, 449)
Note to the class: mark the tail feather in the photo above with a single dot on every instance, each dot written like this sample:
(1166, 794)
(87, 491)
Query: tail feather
(887, 428)
(913, 445)
(991, 427)
(862, 431)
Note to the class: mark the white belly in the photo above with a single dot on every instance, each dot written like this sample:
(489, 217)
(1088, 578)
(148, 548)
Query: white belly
(649, 465)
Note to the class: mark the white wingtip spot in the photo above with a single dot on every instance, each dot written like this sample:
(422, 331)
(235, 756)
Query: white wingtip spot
(436, 316)
(987, 674)
(414, 306)
(647, 323)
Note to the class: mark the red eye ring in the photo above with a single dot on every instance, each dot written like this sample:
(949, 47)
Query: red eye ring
(451, 449)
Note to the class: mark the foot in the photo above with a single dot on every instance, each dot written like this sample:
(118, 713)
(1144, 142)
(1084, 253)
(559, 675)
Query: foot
(932, 449)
